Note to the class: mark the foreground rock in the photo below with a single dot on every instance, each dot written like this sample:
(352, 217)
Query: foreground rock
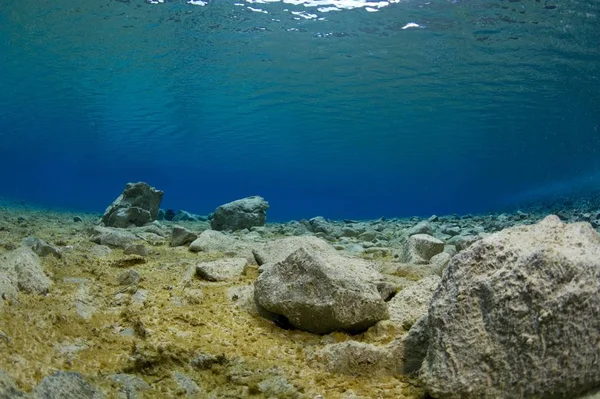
(323, 293)
(21, 269)
(222, 269)
(64, 384)
(277, 250)
(211, 241)
(516, 315)
(136, 206)
(412, 302)
(241, 214)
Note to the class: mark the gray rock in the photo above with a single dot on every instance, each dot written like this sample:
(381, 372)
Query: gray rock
(212, 241)
(41, 247)
(182, 236)
(129, 385)
(136, 249)
(23, 269)
(112, 237)
(278, 250)
(65, 385)
(241, 214)
(416, 343)
(462, 242)
(129, 277)
(412, 302)
(358, 358)
(516, 315)
(422, 247)
(321, 293)
(137, 205)
(420, 228)
(440, 261)
(100, 251)
(8, 387)
(368, 235)
(222, 269)
(188, 385)
(204, 361)
(184, 216)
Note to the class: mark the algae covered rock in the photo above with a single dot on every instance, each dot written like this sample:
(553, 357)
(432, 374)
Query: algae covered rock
(63, 384)
(516, 315)
(240, 214)
(136, 206)
(321, 293)
(22, 269)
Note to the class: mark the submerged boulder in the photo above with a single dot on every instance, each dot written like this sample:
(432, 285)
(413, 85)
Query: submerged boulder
(136, 206)
(517, 315)
(241, 214)
(21, 269)
(321, 293)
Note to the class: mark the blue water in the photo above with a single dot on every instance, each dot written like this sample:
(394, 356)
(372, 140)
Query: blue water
(345, 115)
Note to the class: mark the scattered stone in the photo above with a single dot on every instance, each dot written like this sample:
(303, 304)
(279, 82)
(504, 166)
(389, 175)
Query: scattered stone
(22, 268)
(130, 385)
(412, 302)
(320, 225)
(100, 251)
(65, 384)
(422, 247)
(137, 205)
(241, 214)
(420, 228)
(518, 311)
(222, 269)
(462, 242)
(416, 343)
(112, 237)
(8, 387)
(204, 361)
(357, 358)
(136, 249)
(368, 235)
(193, 296)
(128, 261)
(129, 277)
(322, 293)
(41, 248)
(188, 385)
(139, 298)
(184, 216)
(181, 236)
(440, 261)
(278, 250)
(211, 241)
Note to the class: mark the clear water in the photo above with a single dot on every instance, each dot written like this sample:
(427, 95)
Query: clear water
(343, 113)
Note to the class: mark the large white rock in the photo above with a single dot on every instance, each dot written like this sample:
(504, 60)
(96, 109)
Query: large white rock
(321, 293)
(212, 241)
(517, 314)
(277, 250)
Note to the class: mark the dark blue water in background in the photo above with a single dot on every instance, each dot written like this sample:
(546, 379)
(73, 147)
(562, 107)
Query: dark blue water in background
(486, 104)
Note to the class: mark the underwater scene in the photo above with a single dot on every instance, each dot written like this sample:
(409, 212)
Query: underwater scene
(311, 199)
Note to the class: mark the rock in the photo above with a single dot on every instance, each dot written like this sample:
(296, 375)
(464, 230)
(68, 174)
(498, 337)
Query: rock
(241, 214)
(112, 237)
(68, 385)
(222, 269)
(422, 247)
(136, 249)
(8, 387)
(320, 225)
(440, 261)
(22, 269)
(181, 236)
(129, 260)
(140, 298)
(188, 385)
(100, 251)
(412, 302)
(516, 315)
(204, 361)
(368, 235)
(322, 293)
(420, 228)
(462, 242)
(193, 296)
(129, 385)
(77, 219)
(416, 343)
(170, 214)
(184, 216)
(137, 205)
(41, 248)
(211, 241)
(357, 358)
(278, 250)
(129, 277)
